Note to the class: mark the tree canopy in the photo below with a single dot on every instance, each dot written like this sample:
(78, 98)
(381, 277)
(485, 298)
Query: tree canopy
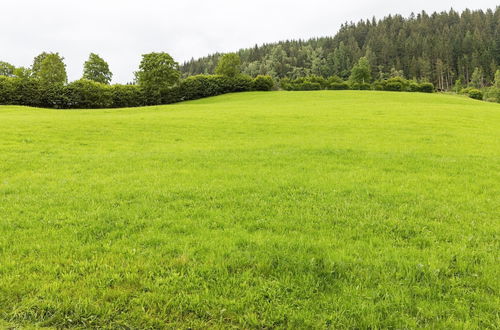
(439, 48)
(229, 65)
(97, 69)
(50, 69)
(157, 71)
(6, 69)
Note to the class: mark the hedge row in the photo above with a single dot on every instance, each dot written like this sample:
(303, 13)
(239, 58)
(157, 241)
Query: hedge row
(86, 94)
(490, 94)
(334, 83)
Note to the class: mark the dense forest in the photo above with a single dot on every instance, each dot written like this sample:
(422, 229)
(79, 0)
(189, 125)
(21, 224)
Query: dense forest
(441, 48)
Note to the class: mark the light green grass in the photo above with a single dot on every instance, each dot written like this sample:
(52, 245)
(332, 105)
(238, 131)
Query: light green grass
(283, 209)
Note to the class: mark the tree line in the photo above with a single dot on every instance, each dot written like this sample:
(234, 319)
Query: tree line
(441, 48)
(158, 81)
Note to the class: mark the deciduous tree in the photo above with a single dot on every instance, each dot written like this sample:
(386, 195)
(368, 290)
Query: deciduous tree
(97, 69)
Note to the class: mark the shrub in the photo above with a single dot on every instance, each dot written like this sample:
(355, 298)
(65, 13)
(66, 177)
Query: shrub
(309, 86)
(379, 85)
(397, 84)
(334, 79)
(492, 94)
(240, 83)
(475, 94)
(7, 90)
(88, 94)
(338, 86)
(360, 86)
(426, 88)
(323, 83)
(414, 87)
(263, 83)
(53, 96)
(27, 92)
(124, 96)
(394, 86)
(465, 90)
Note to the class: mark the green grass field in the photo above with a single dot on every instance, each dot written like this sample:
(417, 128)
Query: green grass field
(280, 209)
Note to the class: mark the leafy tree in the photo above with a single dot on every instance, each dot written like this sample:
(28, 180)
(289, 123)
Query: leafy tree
(361, 72)
(477, 80)
(96, 69)
(37, 63)
(229, 65)
(157, 70)
(157, 73)
(340, 61)
(6, 69)
(462, 42)
(52, 70)
(497, 80)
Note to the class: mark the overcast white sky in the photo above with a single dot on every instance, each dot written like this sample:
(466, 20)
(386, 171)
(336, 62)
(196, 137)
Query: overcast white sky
(121, 30)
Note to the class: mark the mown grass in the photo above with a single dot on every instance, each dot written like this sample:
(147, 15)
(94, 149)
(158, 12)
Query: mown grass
(284, 209)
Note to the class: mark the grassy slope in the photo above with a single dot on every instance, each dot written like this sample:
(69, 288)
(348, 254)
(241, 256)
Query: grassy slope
(348, 209)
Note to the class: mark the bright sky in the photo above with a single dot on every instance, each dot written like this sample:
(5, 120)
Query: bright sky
(121, 30)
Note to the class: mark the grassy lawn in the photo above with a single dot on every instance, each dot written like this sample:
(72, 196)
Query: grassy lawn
(281, 209)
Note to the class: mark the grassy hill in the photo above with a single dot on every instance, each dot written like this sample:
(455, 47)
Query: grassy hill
(281, 209)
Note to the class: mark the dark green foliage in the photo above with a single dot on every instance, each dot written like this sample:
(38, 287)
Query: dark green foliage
(414, 87)
(477, 80)
(88, 94)
(336, 83)
(157, 73)
(394, 86)
(309, 86)
(493, 93)
(96, 69)
(263, 83)
(28, 91)
(126, 96)
(53, 96)
(229, 65)
(426, 87)
(360, 86)
(439, 48)
(309, 83)
(241, 83)
(475, 94)
(7, 90)
(91, 95)
(361, 73)
(338, 86)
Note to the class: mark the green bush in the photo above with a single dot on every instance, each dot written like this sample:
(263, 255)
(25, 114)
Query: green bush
(475, 94)
(360, 86)
(263, 83)
(378, 85)
(394, 86)
(414, 87)
(426, 88)
(492, 94)
(7, 90)
(88, 94)
(323, 83)
(309, 86)
(28, 92)
(338, 86)
(124, 96)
